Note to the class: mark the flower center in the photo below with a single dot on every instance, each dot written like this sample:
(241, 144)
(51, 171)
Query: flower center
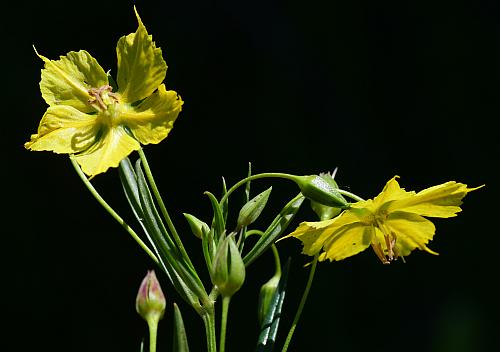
(102, 97)
(386, 251)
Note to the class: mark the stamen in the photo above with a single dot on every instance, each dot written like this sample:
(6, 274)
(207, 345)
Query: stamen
(96, 95)
(377, 248)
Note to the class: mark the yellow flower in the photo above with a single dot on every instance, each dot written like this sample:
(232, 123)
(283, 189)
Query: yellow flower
(98, 126)
(392, 223)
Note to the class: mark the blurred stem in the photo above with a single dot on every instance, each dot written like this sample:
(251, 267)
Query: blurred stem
(163, 209)
(223, 323)
(110, 210)
(302, 303)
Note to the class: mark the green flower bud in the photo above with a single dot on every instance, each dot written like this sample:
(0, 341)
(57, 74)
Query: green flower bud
(251, 210)
(321, 191)
(265, 296)
(325, 212)
(150, 302)
(198, 227)
(228, 269)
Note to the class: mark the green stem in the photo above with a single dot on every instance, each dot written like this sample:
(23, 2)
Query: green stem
(256, 177)
(277, 262)
(302, 303)
(350, 195)
(153, 328)
(223, 323)
(209, 321)
(110, 210)
(163, 208)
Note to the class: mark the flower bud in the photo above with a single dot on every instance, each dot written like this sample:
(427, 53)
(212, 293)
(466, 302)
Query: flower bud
(198, 227)
(324, 192)
(228, 269)
(265, 296)
(150, 302)
(253, 208)
(325, 212)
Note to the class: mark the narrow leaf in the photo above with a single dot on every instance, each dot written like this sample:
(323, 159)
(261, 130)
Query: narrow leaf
(218, 221)
(180, 343)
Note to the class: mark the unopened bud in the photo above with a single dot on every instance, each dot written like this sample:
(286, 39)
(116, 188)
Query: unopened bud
(253, 208)
(325, 212)
(317, 189)
(228, 269)
(150, 302)
(198, 227)
(265, 296)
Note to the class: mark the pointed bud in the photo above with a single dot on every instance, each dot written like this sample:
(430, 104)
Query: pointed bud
(150, 302)
(198, 227)
(325, 212)
(324, 192)
(228, 269)
(265, 296)
(251, 211)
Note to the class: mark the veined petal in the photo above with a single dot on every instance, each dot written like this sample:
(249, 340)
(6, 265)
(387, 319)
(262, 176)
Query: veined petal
(441, 201)
(411, 231)
(347, 241)
(114, 145)
(312, 235)
(153, 118)
(64, 129)
(141, 67)
(67, 81)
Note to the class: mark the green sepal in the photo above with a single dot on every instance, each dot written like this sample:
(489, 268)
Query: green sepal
(277, 227)
(180, 343)
(253, 208)
(317, 189)
(269, 328)
(198, 227)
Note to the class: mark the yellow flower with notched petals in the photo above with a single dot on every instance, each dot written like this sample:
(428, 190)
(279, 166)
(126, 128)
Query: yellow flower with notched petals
(392, 223)
(98, 126)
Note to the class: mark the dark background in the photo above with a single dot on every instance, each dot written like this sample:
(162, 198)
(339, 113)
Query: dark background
(374, 88)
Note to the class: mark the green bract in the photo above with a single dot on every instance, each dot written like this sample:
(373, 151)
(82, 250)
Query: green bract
(98, 126)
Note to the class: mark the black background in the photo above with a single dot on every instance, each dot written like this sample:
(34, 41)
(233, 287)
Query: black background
(374, 88)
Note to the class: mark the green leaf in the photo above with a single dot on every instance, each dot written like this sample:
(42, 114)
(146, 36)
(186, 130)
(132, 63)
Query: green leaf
(183, 277)
(218, 222)
(277, 227)
(180, 343)
(269, 328)
(253, 208)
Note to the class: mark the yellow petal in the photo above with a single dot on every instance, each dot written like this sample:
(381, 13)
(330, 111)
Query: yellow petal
(411, 230)
(141, 67)
(392, 191)
(312, 235)
(67, 81)
(347, 241)
(64, 129)
(114, 145)
(153, 118)
(441, 201)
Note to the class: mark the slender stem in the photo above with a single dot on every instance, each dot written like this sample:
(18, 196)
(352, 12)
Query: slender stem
(153, 328)
(350, 195)
(113, 213)
(302, 303)
(255, 177)
(162, 206)
(277, 262)
(223, 322)
(209, 321)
